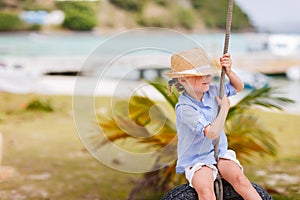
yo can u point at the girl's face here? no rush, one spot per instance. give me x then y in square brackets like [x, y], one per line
[196, 84]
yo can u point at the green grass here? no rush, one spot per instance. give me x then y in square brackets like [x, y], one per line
[51, 163]
[280, 175]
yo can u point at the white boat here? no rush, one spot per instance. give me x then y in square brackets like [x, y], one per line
[293, 72]
[275, 44]
[284, 45]
[17, 79]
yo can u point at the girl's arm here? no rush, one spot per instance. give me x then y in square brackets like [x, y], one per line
[213, 130]
[234, 80]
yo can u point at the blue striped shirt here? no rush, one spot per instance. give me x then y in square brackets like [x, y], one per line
[192, 117]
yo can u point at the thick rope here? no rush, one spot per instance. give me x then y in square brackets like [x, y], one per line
[218, 183]
[226, 45]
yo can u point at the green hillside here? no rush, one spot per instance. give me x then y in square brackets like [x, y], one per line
[114, 15]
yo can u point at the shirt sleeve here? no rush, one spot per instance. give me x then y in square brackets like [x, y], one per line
[190, 120]
[229, 90]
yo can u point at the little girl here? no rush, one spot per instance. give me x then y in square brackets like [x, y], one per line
[199, 123]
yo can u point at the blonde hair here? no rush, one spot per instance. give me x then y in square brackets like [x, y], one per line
[174, 82]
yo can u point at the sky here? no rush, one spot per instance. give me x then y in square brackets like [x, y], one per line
[276, 16]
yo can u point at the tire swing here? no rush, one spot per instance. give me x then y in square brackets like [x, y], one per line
[223, 190]
[186, 192]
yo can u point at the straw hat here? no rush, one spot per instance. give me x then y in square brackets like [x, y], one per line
[194, 62]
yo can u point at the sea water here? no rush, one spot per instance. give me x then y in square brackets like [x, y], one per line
[42, 52]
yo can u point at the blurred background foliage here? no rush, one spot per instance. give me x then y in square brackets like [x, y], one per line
[78, 15]
[187, 15]
[10, 22]
[39, 105]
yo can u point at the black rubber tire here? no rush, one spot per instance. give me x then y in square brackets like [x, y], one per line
[185, 192]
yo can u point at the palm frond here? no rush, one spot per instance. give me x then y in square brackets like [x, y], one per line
[264, 98]
[249, 138]
[163, 90]
[140, 120]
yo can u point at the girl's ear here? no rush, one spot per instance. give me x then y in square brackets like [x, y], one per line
[181, 80]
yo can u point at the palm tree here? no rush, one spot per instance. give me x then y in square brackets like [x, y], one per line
[244, 132]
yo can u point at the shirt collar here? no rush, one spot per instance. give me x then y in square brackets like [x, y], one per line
[204, 101]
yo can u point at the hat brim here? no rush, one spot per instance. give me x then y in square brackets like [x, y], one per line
[209, 71]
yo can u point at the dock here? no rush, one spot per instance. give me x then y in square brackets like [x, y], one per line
[266, 63]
